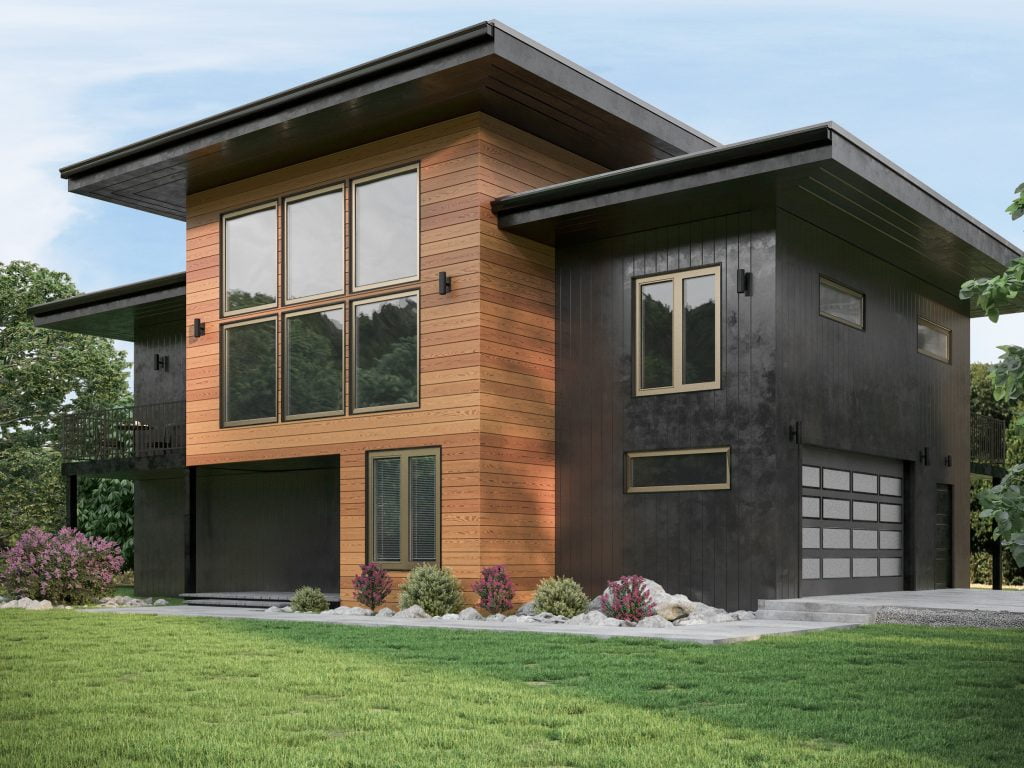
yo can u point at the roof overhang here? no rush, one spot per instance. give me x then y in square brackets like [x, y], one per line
[115, 313]
[486, 68]
[821, 169]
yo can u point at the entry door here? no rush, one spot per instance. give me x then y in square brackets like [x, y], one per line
[943, 536]
[851, 512]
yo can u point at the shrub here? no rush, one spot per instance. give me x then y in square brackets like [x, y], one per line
[627, 599]
[495, 588]
[561, 596]
[106, 508]
[372, 586]
[434, 589]
[63, 567]
[309, 600]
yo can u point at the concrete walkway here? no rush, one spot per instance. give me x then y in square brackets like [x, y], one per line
[704, 634]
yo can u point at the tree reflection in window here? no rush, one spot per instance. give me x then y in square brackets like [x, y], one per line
[315, 362]
[386, 354]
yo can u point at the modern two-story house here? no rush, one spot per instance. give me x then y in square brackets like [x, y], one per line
[471, 304]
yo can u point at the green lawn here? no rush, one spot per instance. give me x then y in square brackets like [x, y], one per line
[80, 689]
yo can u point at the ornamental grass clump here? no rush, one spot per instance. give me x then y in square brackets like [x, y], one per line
[432, 588]
[627, 599]
[561, 596]
[495, 589]
[309, 600]
[372, 586]
[64, 567]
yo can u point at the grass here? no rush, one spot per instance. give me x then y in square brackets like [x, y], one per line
[80, 689]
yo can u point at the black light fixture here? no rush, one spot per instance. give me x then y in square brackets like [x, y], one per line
[198, 328]
[744, 281]
[794, 432]
[444, 283]
[160, 362]
[923, 456]
[949, 461]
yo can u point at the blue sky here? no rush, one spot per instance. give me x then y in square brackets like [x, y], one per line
[932, 85]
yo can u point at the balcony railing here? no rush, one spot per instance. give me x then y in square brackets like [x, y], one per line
[988, 440]
[127, 432]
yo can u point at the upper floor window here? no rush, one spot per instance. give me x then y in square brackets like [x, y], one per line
[385, 353]
[314, 362]
[314, 244]
[678, 332]
[250, 259]
[933, 340]
[249, 372]
[386, 230]
[839, 303]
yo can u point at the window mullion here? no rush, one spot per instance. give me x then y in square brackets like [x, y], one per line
[678, 336]
[404, 529]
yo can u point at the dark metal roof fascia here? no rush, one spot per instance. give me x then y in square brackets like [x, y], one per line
[450, 42]
[177, 280]
[780, 143]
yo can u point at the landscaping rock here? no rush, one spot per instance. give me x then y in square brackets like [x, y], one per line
[160, 602]
[655, 622]
[470, 614]
[743, 615]
[385, 613]
[123, 601]
[594, 619]
[351, 610]
[273, 609]
[28, 604]
[495, 617]
[527, 609]
[287, 609]
[549, 618]
[448, 617]
[412, 612]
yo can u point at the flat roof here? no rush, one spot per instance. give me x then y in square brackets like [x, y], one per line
[487, 67]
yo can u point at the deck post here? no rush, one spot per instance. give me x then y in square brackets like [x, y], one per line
[190, 530]
[71, 501]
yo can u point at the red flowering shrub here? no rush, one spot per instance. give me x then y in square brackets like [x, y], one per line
[63, 567]
[627, 599]
[372, 586]
[495, 588]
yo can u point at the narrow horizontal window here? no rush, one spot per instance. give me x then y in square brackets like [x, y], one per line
[678, 332]
[704, 469]
[314, 253]
[839, 303]
[933, 340]
[404, 505]
[249, 370]
[386, 229]
[314, 363]
[386, 353]
[250, 260]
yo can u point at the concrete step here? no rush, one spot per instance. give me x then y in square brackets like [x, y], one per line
[799, 615]
[234, 603]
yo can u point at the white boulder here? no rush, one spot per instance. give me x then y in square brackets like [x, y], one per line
[470, 614]
[412, 612]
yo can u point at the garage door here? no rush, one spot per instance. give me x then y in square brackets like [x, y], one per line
[851, 513]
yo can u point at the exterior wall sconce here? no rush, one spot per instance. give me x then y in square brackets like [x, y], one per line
[744, 282]
[949, 461]
[444, 283]
[923, 456]
[161, 362]
[794, 432]
[198, 328]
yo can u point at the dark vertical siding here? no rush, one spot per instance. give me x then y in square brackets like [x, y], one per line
[716, 546]
[161, 519]
[870, 391]
[163, 386]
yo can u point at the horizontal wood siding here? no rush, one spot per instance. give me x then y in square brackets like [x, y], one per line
[486, 348]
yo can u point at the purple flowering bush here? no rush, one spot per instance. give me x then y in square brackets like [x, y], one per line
[627, 599]
[64, 567]
[495, 588]
[372, 586]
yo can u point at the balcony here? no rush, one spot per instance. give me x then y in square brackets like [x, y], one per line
[126, 436]
[988, 444]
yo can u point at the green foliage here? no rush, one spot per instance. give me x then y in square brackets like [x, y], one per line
[434, 589]
[309, 600]
[1016, 207]
[105, 508]
[1004, 505]
[561, 596]
[43, 374]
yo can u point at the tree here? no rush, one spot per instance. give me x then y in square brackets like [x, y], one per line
[1004, 503]
[43, 374]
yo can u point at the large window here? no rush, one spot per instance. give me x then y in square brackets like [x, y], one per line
[249, 372]
[386, 229]
[839, 303]
[314, 253]
[933, 340]
[314, 363]
[250, 260]
[704, 469]
[678, 332]
[385, 353]
[404, 500]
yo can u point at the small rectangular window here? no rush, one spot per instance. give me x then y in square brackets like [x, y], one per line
[702, 469]
[249, 372]
[386, 353]
[839, 303]
[314, 247]
[250, 260]
[678, 332]
[386, 229]
[404, 505]
[314, 363]
[933, 340]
